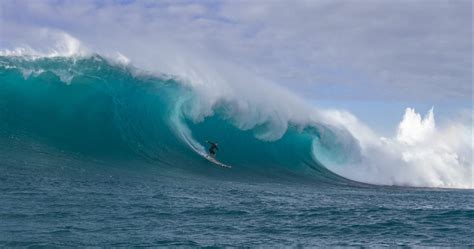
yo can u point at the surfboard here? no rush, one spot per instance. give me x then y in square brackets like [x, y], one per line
[208, 157]
[213, 160]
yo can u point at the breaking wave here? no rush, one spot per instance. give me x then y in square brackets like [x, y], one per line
[91, 105]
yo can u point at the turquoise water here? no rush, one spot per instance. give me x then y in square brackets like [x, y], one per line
[97, 154]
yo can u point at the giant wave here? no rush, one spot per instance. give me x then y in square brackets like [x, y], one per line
[94, 106]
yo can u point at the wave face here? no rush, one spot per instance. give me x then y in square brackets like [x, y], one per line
[101, 109]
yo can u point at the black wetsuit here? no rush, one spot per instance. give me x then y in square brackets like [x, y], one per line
[213, 148]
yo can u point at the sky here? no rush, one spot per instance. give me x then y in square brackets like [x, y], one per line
[373, 58]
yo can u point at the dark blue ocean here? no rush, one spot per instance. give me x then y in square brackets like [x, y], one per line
[95, 155]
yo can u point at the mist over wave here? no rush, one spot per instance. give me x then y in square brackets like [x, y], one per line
[102, 106]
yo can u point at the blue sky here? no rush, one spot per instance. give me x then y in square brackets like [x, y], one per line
[373, 58]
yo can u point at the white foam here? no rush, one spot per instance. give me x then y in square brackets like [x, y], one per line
[413, 129]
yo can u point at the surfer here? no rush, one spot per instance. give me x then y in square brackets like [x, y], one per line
[213, 148]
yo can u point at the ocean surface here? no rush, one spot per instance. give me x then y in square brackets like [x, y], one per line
[97, 154]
